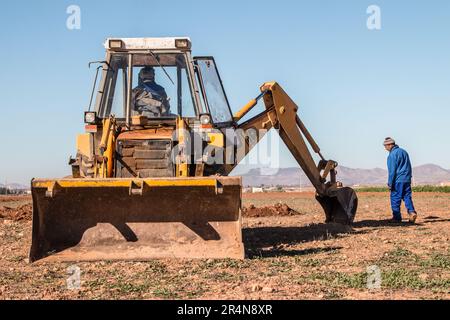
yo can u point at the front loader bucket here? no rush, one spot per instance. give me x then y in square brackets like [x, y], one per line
[341, 207]
[136, 219]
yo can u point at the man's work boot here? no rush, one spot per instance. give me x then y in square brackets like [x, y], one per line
[412, 217]
[396, 217]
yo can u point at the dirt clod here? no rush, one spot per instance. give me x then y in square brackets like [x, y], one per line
[279, 209]
[22, 213]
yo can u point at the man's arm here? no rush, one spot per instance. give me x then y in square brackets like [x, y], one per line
[136, 94]
[392, 169]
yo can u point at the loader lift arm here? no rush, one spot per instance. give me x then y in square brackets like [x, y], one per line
[339, 203]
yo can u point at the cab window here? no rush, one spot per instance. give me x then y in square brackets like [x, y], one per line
[160, 86]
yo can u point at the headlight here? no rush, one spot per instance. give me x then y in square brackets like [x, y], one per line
[205, 119]
[182, 43]
[90, 117]
[115, 44]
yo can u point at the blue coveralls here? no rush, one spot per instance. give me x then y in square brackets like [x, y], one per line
[400, 174]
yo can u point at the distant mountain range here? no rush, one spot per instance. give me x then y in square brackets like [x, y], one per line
[426, 174]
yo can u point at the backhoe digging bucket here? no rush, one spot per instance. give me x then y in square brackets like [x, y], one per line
[136, 219]
[341, 207]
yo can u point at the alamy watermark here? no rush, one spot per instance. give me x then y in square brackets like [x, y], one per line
[246, 147]
[73, 282]
[374, 19]
[373, 277]
[73, 21]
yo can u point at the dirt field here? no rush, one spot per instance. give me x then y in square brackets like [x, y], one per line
[291, 256]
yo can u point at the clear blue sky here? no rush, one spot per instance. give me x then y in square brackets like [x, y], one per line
[354, 86]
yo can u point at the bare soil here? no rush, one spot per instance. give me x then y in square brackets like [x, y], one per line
[290, 256]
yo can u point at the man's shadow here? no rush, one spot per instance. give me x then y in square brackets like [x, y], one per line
[387, 223]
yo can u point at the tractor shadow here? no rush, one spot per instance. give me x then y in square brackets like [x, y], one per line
[270, 241]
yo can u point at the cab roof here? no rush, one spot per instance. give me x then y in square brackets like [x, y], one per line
[171, 43]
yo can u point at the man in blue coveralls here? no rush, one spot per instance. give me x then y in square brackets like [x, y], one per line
[399, 181]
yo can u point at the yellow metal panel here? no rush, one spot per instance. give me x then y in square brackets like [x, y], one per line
[216, 139]
[110, 149]
[181, 166]
[182, 170]
[100, 183]
[84, 145]
[181, 183]
[87, 183]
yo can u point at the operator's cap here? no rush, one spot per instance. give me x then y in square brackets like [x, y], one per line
[388, 141]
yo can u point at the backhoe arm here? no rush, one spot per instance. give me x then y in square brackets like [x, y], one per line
[281, 113]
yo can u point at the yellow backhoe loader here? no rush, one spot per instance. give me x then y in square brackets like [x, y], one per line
[150, 177]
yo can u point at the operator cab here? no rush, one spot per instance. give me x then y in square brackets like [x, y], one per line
[183, 86]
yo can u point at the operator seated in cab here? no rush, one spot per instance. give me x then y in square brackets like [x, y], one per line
[148, 98]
